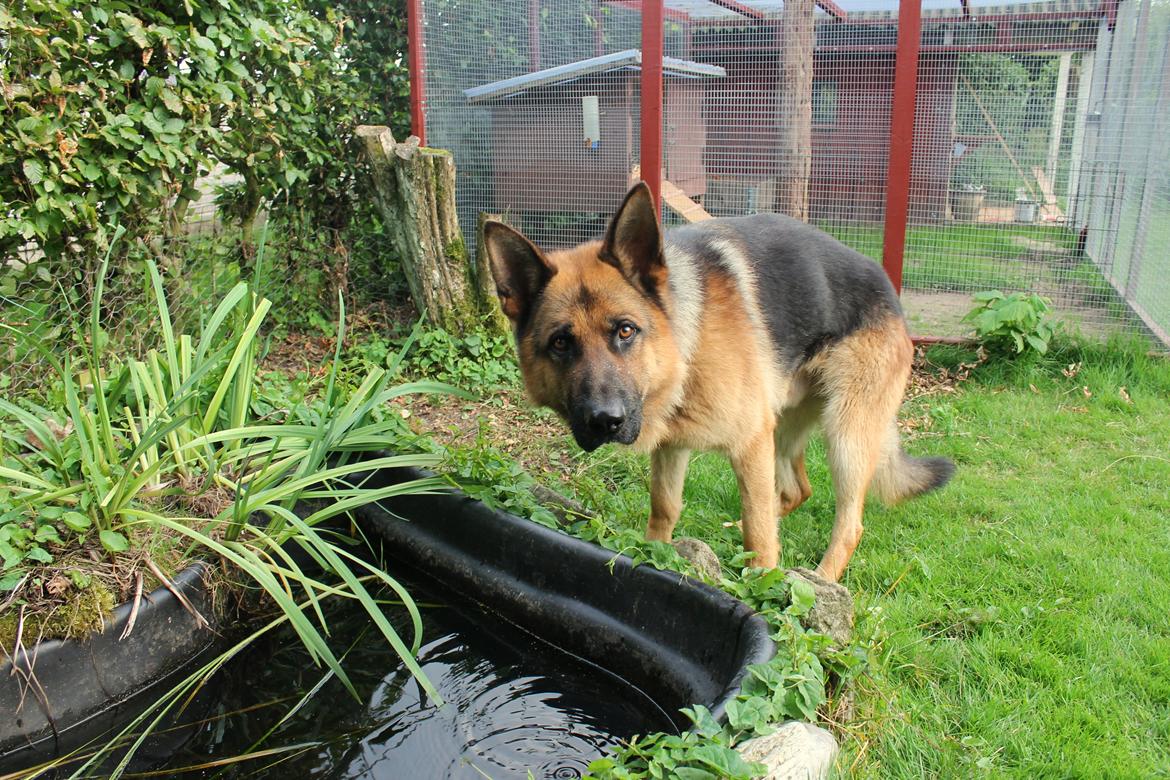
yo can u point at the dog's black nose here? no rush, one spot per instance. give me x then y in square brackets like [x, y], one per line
[606, 419]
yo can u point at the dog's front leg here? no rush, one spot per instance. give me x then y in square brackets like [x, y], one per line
[755, 470]
[668, 472]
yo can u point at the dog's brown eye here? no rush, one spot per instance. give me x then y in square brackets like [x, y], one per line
[626, 331]
[559, 343]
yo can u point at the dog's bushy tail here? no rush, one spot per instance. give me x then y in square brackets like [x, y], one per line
[900, 476]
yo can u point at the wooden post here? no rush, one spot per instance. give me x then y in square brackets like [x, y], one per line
[794, 108]
[415, 192]
[416, 58]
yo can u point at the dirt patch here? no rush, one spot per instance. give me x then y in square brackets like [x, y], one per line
[534, 438]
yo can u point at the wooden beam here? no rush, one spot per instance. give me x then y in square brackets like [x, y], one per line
[832, 9]
[1004, 144]
[741, 9]
[674, 197]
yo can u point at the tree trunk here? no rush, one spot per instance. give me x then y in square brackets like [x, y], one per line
[252, 204]
[415, 192]
[794, 109]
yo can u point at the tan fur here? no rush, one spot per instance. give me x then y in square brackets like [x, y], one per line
[861, 379]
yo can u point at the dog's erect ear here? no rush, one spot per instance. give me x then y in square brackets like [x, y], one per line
[633, 243]
[520, 269]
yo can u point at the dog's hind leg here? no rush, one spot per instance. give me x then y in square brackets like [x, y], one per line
[792, 431]
[863, 379]
[668, 472]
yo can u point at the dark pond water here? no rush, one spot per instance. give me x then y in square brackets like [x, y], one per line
[513, 705]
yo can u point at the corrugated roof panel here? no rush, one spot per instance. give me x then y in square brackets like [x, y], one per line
[630, 59]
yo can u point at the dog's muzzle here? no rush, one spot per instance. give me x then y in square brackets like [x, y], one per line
[597, 422]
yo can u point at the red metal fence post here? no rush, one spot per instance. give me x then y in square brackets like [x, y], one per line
[901, 138]
[416, 59]
[651, 135]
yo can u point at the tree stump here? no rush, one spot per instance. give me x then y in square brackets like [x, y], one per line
[414, 189]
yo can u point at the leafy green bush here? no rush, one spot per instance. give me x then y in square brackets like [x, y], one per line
[116, 108]
[1018, 321]
[113, 112]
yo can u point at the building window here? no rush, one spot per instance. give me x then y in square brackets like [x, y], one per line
[824, 102]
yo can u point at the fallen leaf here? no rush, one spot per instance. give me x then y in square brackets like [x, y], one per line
[57, 585]
[1124, 395]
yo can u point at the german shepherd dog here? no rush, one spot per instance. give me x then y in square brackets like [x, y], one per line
[736, 335]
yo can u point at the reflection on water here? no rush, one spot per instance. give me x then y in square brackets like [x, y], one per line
[513, 705]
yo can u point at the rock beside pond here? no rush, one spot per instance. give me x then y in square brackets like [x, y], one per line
[701, 556]
[833, 613]
[794, 751]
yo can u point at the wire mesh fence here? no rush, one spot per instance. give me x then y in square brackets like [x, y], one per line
[1037, 163]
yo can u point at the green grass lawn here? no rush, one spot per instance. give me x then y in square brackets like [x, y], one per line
[1021, 616]
[959, 256]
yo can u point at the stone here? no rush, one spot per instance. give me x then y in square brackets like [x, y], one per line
[794, 751]
[701, 556]
[833, 613]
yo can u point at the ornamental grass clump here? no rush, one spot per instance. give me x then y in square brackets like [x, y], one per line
[163, 454]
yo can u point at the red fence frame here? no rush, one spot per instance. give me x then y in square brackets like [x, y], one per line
[901, 139]
[417, 63]
[651, 107]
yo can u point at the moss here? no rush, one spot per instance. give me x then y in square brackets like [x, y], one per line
[84, 613]
[456, 252]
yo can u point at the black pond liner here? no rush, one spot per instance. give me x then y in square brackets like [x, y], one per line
[62, 694]
[678, 640]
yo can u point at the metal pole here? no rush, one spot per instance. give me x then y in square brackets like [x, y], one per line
[651, 135]
[417, 63]
[901, 138]
[1057, 126]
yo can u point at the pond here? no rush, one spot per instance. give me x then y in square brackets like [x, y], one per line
[513, 704]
